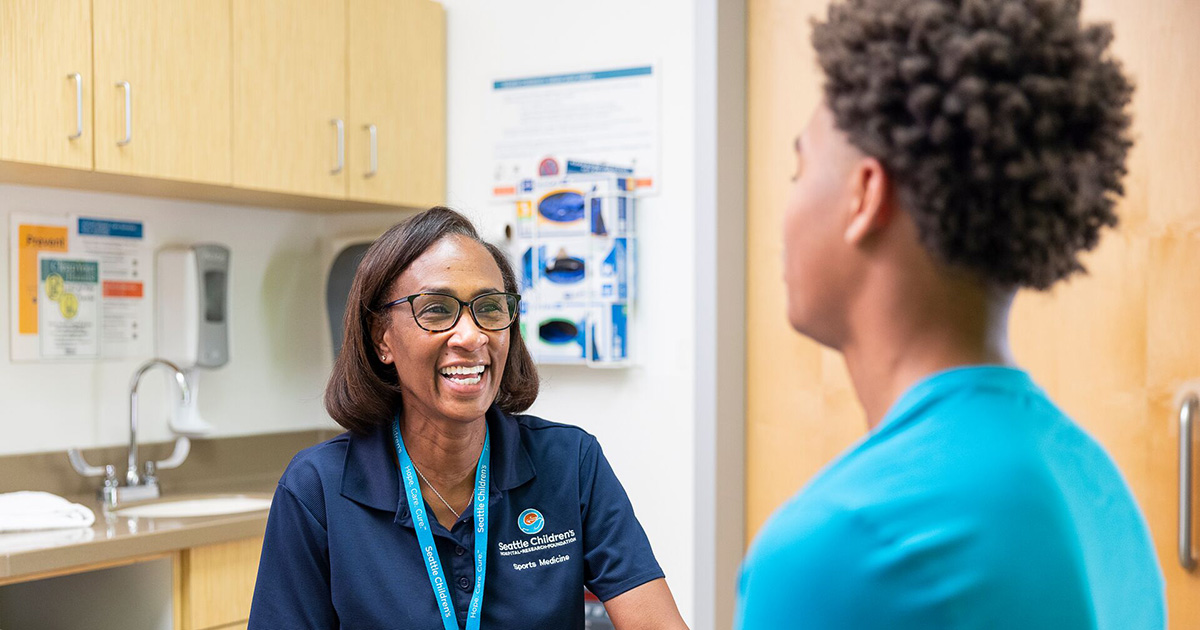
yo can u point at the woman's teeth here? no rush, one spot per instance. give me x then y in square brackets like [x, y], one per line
[464, 375]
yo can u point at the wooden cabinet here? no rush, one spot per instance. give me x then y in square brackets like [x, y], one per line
[397, 102]
[46, 79]
[289, 96]
[162, 101]
[216, 585]
[277, 102]
[358, 111]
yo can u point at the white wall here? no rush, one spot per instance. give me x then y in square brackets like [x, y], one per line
[645, 416]
[279, 350]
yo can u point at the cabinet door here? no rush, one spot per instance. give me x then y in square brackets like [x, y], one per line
[162, 96]
[218, 583]
[289, 96]
[397, 79]
[46, 82]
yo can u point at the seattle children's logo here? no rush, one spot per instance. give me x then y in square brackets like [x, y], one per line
[531, 521]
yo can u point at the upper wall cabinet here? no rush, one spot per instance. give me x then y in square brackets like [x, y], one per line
[317, 104]
[397, 102]
[289, 96]
[162, 99]
[46, 82]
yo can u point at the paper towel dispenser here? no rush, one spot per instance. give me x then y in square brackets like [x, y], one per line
[347, 253]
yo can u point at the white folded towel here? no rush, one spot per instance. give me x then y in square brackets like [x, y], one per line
[30, 511]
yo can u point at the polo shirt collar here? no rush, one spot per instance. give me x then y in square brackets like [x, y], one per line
[370, 476]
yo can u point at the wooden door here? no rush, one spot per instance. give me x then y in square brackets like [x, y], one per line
[397, 80]
[289, 96]
[46, 82]
[174, 57]
[1112, 348]
[800, 407]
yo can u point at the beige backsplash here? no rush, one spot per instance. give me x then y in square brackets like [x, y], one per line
[213, 465]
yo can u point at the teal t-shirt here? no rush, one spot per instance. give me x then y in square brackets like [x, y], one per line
[976, 503]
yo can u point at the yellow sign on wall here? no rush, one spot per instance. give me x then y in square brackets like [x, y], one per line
[31, 240]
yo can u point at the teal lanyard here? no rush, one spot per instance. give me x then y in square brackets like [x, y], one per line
[433, 564]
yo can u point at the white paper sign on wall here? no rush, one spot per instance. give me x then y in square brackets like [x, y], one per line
[604, 117]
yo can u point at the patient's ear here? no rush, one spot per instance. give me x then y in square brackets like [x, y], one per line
[870, 208]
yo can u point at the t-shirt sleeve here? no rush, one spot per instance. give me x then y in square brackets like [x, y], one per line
[292, 590]
[617, 555]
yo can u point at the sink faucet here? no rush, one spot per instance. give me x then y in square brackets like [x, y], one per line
[132, 477]
[138, 485]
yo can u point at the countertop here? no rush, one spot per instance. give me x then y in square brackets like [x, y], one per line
[250, 465]
[114, 538]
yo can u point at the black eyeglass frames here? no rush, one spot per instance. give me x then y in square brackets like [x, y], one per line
[439, 312]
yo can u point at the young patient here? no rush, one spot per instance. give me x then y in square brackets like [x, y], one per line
[965, 149]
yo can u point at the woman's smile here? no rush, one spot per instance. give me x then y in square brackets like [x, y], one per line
[465, 379]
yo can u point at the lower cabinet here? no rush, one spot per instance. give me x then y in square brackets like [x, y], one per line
[215, 584]
[127, 594]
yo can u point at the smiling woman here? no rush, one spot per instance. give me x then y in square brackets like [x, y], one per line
[430, 384]
[411, 269]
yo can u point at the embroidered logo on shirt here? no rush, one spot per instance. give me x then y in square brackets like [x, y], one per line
[531, 521]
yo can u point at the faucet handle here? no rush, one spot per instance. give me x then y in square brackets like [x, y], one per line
[151, 473]
[81, 466]
[111, 486]
[110, 476]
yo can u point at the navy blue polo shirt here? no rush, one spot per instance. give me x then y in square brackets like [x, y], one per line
[341, 552]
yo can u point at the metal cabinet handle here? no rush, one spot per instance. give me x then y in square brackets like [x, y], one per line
[1187, 418]
[374, 134]
[128, 113]
[341, 146]
[78, 78]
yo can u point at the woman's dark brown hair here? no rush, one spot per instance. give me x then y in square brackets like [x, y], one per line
[363, 392]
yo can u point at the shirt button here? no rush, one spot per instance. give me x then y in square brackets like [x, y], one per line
[460, 550]
[464, 583]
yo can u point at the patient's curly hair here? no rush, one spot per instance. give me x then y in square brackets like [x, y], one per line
[1002, 122]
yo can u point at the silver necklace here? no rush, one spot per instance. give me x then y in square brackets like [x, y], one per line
[439, 494]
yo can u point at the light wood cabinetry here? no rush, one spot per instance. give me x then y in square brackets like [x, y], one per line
[269, 102]
[397, 102]
[289, 94]
[46, 74]
[216, 585]
[162, 101]
[210, 588]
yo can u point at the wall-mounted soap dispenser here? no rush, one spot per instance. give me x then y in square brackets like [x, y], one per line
[193, 305]
[193, 319]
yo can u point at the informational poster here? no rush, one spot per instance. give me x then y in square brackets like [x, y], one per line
[68, 306]
[121, 248]
[544, 123]
[115, 319]
[31, 237]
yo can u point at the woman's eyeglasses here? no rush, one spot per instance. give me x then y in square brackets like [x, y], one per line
[439, 312]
